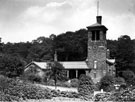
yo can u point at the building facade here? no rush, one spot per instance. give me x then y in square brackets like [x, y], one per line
[97, 64]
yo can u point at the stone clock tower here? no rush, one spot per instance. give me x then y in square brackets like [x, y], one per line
[97, 48]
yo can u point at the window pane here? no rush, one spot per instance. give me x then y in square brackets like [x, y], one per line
[93, 35]
[97, 35]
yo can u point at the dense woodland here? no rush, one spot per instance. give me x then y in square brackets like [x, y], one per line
[70, 46]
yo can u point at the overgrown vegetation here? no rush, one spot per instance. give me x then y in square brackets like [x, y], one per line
[107, 83]
[70, 46]
[16, 90]
[127, 95]
[86, 86]
[11, 66]
[56, 72]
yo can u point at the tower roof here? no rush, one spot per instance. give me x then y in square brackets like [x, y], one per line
[98, 25]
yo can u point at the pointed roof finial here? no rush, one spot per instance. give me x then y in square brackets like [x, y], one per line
[97, 7]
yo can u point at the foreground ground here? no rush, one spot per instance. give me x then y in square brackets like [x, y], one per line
[64, 88]
[58, 99]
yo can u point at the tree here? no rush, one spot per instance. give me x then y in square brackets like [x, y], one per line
[72, 45]
[111, 45]
[11, 66]
[41, 50]
[124, 53]
[56, 71]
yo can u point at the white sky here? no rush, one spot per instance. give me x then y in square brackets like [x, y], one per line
[25, 20]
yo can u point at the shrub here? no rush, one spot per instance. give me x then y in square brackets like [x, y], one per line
[119, 80]
[74, 82]
[86, 86]
[97, 86]
[128, 75]
[102, 97]
[107, 83]
[133, 82]
[16, 90]
[33, 78]
[66, 84]
[3, 82]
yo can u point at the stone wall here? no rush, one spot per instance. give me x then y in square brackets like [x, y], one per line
[97, 56]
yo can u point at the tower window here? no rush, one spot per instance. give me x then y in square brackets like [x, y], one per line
[95, 64]
[95, 35]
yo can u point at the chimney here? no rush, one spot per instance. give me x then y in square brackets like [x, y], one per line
[99, 19]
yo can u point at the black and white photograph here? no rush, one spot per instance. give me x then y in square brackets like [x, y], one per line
[67, 50]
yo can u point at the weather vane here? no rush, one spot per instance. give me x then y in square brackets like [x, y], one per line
[97, 7]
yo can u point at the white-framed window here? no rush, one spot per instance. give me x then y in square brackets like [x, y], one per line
[95, 64]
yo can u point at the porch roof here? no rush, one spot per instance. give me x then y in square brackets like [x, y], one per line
[75, 65]
[111, 61]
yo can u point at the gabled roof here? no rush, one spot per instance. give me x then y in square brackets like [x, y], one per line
[67, 65]
[42, 65]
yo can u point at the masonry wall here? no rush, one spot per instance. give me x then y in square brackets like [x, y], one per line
[97, 52]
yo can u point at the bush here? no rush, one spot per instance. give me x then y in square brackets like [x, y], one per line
[107, 83]
[128, 75]
[33, 78]
[97, 86]
[102, 97]
[10, 90]
[74, 82]
[119, 80]
[3, 82]
[127, 95]
[66, 84]
[86, 86]
[14, 90]
[50, 82]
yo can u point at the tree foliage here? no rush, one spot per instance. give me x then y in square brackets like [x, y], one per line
[107, 83]
[125, 53]
[86, 85]
[72, 45]
[128, 75]
[11, 66]
[56, 71]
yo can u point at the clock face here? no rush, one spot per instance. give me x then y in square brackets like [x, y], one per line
[94, 47]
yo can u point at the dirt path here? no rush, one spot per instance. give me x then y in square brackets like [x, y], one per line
[59, 88]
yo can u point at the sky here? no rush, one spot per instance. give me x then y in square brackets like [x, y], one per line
[26, 20]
